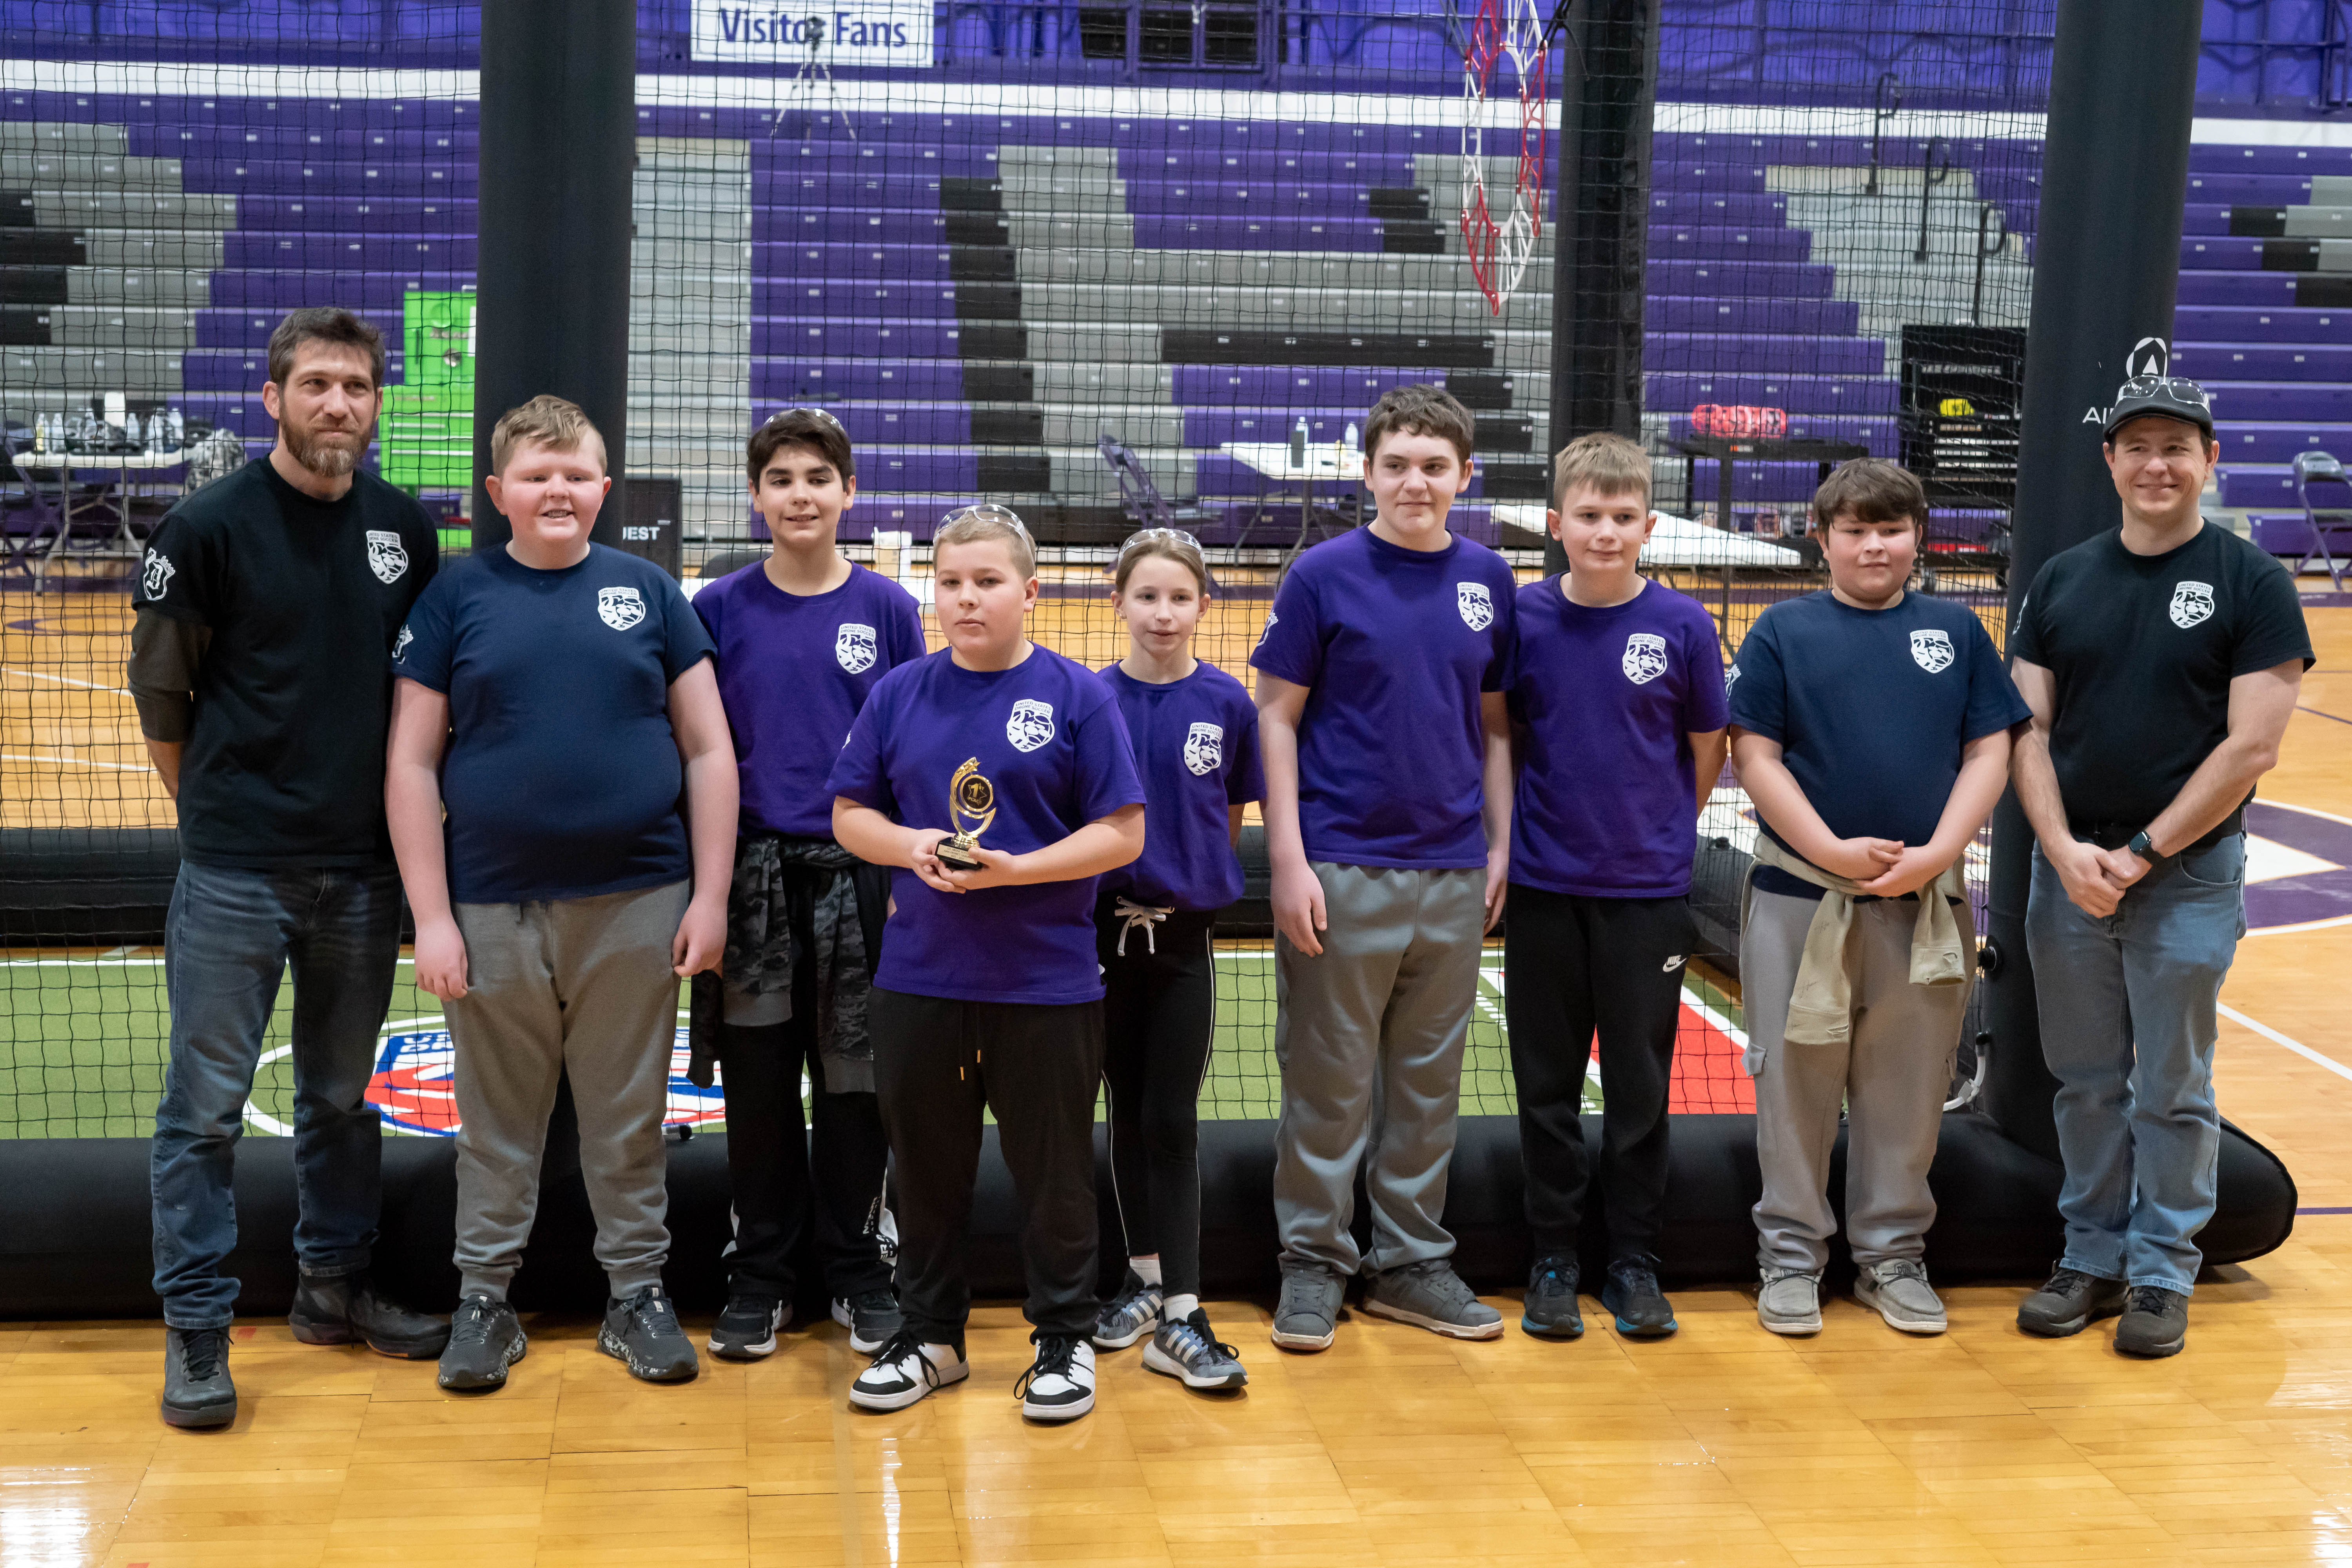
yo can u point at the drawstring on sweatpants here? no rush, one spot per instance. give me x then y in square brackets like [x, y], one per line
[1146, 916]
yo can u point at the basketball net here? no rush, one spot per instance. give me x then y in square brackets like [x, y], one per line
[1499, 250]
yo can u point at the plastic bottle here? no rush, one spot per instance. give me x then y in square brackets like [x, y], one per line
[1354, 439]
[178, 430]
[1298, 443]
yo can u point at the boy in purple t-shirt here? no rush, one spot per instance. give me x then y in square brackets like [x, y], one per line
[1616, 693]
[803, 637]
[1388, 820]
[989, 996]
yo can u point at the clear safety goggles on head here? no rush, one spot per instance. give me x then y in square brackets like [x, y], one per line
[813, 413]
[2167, 388]
[988, 512]
[1143, 536]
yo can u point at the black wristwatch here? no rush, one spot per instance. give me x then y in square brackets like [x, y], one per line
[2144, 846]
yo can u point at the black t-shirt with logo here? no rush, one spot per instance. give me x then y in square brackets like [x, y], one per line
[2142, 649]
[284, 764]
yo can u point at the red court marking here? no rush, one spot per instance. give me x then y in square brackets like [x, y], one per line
[245, 1333]
[1706, 1076]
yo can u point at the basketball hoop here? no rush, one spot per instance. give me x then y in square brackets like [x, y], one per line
[1499, 250]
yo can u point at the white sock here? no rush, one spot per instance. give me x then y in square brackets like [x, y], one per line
[1146, 1270]
[1176, 1309]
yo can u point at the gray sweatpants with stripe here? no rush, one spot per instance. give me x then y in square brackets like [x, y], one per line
[1370, 1037]
[1890, 1078]
[577, 984]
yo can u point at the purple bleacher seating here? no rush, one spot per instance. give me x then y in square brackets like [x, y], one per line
[1778, 280]
[2313, 402]
[1762, 353]
[1716, 313]
[2254, 442]
[896, 468]
[2289, 534]
[813, 294]
[2237, 288]
[775, 225]
[1198, 163]
[2260, 324]
[807, 378]
[2204, 218]
[1872, 392]
[1703, 205]
[229, 370]
[2257, 484]
[365, 252]
[2236, 188]
[920, 263]
[355, 291]
[2212, 252]
[890, 424]
[859, 337]
[357, 215]
[250, 331]
[187, 140]
[2229, 362]
[328, 176]
[1706, 174]
[1281, 386]
[1172, 231]
[2210, 158]
[1727, 242]
[1222, 474]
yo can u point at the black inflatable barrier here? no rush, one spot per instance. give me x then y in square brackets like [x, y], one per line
[75, 1244]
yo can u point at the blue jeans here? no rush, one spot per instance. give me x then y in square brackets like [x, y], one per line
[228, 940]
[2128, 1027]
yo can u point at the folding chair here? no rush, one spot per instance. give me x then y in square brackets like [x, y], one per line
[2322, 468]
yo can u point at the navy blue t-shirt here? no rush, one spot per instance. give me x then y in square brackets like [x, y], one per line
[1049, 740]
[1196, 743]
[1871, 709]
[563, 778]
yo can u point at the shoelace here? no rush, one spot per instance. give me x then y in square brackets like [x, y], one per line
[2066, 1282]
[1443, 1281]
[472, 1325]
[904, 1345]
[878, 1301]
[200, 1352]
[1901, 1268]
[1192, 1345]
[1148, 916]
[2149, 1299]
[1057, 1356]
[1296, 1285]
[655, 1312]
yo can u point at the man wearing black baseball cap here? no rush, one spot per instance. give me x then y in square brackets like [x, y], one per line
[2161, 660]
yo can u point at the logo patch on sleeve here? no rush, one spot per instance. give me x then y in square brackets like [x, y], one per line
[386, 558]
[855, 648]
[1204, 747]
[1644, 659]
[157, 577]
[400, 644]
[1030, 724]
[1478, 609]
[620, 609]
[1931, 650]
[2191, 602]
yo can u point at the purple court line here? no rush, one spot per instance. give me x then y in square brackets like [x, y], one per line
[2317, 714]
[2325, 1211]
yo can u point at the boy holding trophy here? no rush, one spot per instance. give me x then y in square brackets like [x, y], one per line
[995, 779]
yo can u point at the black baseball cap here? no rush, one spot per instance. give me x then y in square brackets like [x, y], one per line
[2167, 396]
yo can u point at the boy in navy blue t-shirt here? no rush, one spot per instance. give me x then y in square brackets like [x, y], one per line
[1616, 696]
[802, 638]
[557, 699]
[1388, 814]
[989, 997]
[1871, 727]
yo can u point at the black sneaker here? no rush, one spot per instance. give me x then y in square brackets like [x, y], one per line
[1631, 1293]
[344, 1309]
[746, 1330]
[2155, 1323]
[871, 1317]
[644, 1331]
[1550, 1310]
[485, 1339]
[1060, 1383]
[2068, 1302]
[196, 1387]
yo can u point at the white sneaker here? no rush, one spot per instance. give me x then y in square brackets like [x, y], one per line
[1789, 1303]
[1899, 1291]
[1060, 1385]
[904, 1371]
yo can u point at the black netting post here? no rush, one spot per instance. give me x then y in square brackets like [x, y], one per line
[1609, 55]
[2107, 269]
[559, 143]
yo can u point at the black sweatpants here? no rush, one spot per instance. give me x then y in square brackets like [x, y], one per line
[1160, 1003]
[1574, 965]
[781, 1172]
[937, 1064]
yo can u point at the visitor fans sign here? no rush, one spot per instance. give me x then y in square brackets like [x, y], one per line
[846, 33]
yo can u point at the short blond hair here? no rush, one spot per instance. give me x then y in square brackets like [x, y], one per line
[983, 521]
[1611, 464]
[555, 423]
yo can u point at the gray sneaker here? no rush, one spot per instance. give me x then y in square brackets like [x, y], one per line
[1789, 1303]
[1899, 1291]
[1187, 1348]
[1305, 1319]
[1128, 1316]
[1432, 1296]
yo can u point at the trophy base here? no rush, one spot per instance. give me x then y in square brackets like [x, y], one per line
[956, 856]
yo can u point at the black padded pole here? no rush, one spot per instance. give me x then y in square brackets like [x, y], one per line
[559, 146]
[2106, 267]
[1609, 55]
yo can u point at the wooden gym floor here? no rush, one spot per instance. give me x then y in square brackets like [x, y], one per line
[1723, 1446]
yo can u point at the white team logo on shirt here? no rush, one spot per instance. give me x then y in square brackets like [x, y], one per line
[1267, 630]
[158, 575]
[1030, 724]
[1731, 676]
[386, 559]
[400, 644]
[1644, 659]
[1478, 609]
[855, 648]
[1204, 747]
[619, 609]
[1932, 651]
[2192, 602]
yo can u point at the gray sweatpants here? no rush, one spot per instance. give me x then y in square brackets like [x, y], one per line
[577, 984]
[1891, 1078]
[1370, 1037]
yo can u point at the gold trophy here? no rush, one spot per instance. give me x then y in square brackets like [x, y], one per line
[969, 796]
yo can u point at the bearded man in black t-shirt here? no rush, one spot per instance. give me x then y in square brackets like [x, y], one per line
[2161, 660]
[260, 664]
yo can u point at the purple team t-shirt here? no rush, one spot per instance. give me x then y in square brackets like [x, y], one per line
[1049, 737]
[793, 670]
[1395, 647]
[1608, 800]
[1196, 743]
